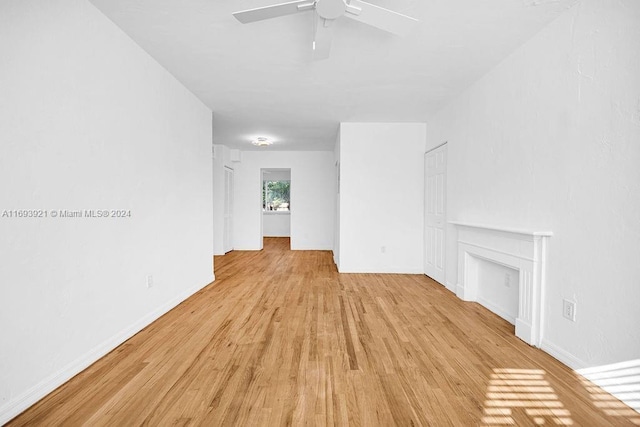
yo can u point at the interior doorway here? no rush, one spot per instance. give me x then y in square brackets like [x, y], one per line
[276, 203]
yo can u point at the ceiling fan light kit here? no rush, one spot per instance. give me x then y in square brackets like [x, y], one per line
[327, 11]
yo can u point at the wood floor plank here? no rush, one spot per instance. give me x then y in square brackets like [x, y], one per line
[282, 339]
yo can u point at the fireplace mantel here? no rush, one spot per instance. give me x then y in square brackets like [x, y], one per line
[519, 249]
[503, 229]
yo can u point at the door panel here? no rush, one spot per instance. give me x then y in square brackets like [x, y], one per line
[228, 210]
[435, 213]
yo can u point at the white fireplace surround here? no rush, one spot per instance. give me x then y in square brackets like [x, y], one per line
[521, 250]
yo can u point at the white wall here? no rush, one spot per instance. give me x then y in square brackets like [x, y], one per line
[90, 121]
[549, 140]
[276, 224]
[381, 197]
[312, 198]
[277, 175]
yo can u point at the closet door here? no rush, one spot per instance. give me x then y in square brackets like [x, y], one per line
[435, 212]
[228, 210]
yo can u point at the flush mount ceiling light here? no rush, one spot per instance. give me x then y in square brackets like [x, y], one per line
[262, 142]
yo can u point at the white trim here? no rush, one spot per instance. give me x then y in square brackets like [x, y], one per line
[503, 229]
[562, 355]
[526, 258]
[451, 286]
[497, 310]
[391, 270]
[610, 378]
[309, 248]
[23, 401]
[585, 372]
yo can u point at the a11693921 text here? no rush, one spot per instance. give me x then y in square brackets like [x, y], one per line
[65, 213]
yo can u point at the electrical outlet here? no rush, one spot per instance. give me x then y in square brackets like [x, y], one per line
[149, 281]
[507, 280]
[383, 249]
[569, 309]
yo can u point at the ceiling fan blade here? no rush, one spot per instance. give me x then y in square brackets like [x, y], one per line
[273, 11]
[322, 38]
[379, 17]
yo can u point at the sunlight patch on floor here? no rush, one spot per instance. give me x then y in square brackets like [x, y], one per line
[525, 391]
[608, 385]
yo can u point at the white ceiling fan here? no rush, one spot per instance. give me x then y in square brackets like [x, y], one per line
[327, 11]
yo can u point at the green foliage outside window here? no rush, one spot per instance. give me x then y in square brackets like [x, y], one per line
[275, 195]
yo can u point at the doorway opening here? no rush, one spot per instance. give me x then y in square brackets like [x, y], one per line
[276, 204]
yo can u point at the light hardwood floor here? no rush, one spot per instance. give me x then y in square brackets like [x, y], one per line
[282, 339]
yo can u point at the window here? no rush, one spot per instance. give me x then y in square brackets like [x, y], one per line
[275, 196]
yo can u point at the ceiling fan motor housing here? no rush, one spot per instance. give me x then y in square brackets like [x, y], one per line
[330, 9]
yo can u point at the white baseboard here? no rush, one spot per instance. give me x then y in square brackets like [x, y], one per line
[311, 248]
[451, 286]
[23, 401]
[617, 379]
[384, 271]
[497, 310]
[602, 381]
[562, 355]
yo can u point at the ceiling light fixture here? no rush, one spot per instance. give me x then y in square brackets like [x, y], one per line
[262, 142]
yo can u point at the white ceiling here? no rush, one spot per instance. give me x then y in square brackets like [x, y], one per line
[259, 78]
